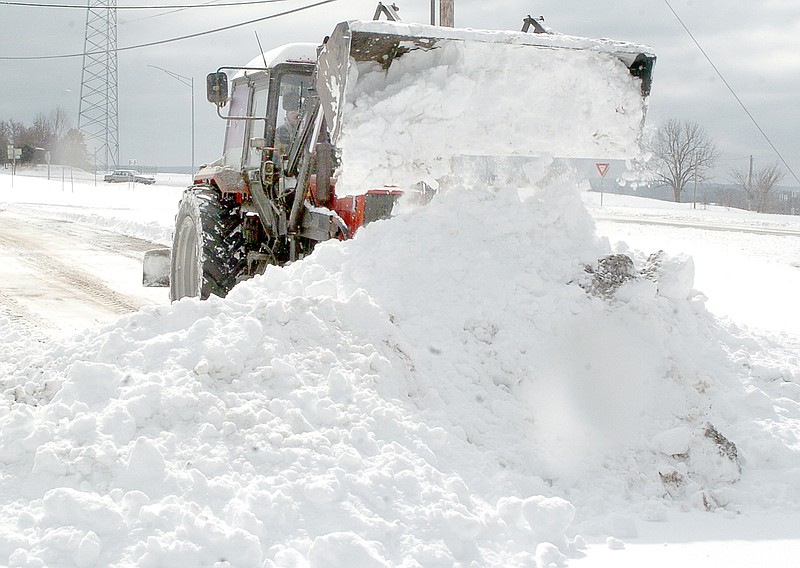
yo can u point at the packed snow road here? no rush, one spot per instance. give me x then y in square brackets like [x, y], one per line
[79, 231]
[60, 276]
[698, 224]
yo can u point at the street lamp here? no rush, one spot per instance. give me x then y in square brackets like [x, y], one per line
[189, 82]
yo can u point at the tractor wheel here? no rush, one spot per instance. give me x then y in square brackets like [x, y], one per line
[208, 247]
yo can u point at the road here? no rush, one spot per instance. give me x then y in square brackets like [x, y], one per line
[697, 224]
[58, 277]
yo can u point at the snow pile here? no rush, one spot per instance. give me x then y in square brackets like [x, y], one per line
[479, 382]
[439, 391]
[90, 204]
[406, 124]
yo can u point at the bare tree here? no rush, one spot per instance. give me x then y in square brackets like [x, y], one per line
[48, 132]
[743, 180]
[757, 184]
[15, 131]
[59, 122]
[682, 152]
[40, 135]
[5, 140]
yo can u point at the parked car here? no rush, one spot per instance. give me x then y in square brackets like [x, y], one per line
[119, 176]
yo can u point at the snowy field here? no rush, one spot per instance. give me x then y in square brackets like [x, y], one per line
[443, 390]
[751, 277]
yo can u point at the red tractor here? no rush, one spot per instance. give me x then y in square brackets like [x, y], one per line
[271, 197]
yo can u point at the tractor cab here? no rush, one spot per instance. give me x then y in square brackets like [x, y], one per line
[261, 104]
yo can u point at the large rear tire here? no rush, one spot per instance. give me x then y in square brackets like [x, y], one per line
[208, 253]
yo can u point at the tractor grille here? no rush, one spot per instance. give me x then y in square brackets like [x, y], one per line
[378, 206]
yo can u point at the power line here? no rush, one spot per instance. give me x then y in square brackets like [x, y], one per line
[158, 7]
[170, 40]
[166, 13]
[735, 96]
[171, 8]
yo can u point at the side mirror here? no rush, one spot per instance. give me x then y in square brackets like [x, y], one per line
[217, 88]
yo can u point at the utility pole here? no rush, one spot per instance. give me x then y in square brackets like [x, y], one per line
[447, 13]
[750, 185]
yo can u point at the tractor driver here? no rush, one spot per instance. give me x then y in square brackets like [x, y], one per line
[286, 131]
[290, 104]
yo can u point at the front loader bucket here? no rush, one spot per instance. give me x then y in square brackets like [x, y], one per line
[424, 95]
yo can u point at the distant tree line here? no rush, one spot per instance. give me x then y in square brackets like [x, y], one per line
[782, 200]
[51, 133]
[683, 155]
[757, 184]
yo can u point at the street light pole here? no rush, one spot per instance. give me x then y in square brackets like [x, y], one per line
[189, 82]
[447, 13]
[694, 193]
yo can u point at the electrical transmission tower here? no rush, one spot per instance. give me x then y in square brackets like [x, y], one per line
[97, 115]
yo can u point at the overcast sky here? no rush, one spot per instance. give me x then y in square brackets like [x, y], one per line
[755, 46]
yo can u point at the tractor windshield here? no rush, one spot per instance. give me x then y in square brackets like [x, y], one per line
[294, 89]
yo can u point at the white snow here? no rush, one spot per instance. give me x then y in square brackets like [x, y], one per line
[452, 387]
[501, 101]
[136, 210]
[766, 245]
[436, 392]
[410, 29]
[291, 52]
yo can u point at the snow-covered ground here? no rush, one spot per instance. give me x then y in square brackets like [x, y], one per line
[440, 391]
[753, 279]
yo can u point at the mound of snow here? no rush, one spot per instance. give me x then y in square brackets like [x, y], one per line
[438, 391]
[418, 119]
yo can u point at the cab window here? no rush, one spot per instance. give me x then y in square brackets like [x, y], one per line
[258, 110]
[293, 91]
[236, 129]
